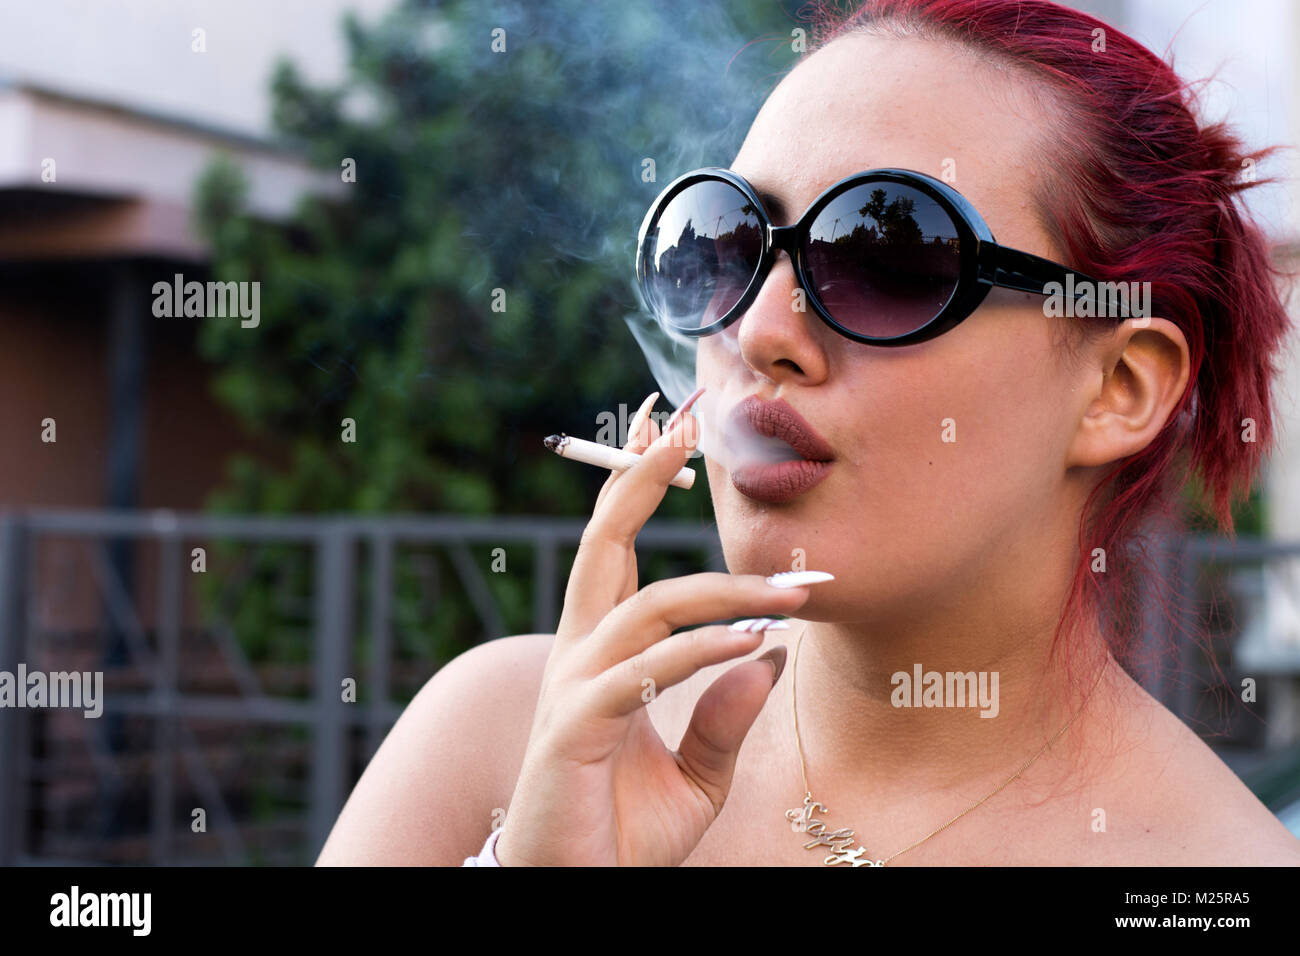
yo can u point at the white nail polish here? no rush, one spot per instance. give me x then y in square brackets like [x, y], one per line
[797, 579]
[761, 624]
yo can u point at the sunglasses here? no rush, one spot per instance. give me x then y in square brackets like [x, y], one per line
[888, 256]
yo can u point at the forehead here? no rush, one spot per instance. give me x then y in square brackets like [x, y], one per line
[866, 101]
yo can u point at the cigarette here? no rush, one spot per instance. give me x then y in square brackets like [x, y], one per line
[615, 459]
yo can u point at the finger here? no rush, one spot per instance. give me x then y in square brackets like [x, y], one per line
[721, 719]
[640, 433]
[642, 430]
[661, 607]
[630, 685]
[635, 640]
[607, 540]
[670, 448]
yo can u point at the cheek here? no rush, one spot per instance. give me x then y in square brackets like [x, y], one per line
[943, 448]
[718, 356]
[957, 439]
[990, 428]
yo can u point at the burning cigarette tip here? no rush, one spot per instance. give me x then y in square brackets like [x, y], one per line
[553, 441]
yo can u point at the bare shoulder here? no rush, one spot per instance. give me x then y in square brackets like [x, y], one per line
[444, 776]
[1197, 811]
[434, 789]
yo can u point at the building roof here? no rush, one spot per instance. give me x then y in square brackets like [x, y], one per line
[81, 176]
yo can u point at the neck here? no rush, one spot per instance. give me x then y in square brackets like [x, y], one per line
[864, 723]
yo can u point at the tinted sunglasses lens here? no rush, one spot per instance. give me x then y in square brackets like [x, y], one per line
[883, 258]
[701, 253]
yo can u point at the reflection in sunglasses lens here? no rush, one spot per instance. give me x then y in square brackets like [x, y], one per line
[883, 258]
[701, 254]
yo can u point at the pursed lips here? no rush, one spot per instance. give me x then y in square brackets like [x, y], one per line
[791, 456]
[778, 420]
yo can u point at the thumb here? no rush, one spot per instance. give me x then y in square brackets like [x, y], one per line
[722, 717]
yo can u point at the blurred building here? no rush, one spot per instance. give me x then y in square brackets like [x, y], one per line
[94, 209]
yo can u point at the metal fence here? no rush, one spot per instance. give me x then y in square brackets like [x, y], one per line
[184, 736]
[146, 618]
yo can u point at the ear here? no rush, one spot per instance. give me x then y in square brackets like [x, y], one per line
[1140, 373]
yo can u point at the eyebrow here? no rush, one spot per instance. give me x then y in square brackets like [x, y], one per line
[772, 202]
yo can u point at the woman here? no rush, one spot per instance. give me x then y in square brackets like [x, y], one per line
[960, 487]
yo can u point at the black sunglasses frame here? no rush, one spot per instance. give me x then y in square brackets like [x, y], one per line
[983, 263]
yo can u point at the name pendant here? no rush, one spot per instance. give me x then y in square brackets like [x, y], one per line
[840, 841]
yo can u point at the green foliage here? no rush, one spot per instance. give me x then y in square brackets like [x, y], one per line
[475, 171]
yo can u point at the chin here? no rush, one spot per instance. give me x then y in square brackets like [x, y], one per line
[767, 530]
[762, 539]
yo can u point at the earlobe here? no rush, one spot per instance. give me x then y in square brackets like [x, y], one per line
[1141, 373]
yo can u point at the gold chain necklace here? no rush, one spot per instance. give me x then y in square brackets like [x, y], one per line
[841, 841]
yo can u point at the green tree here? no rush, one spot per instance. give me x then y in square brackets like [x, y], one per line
[501, 158]
[482, 177]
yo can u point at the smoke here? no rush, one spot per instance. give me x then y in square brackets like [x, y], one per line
[670, 356]
[595, 107]
[605, 104]
[724, 437]
[729, 439]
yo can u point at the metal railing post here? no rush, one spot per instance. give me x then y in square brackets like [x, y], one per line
[381, 638]
[545, 615]
[333, 600]
[163, 791]
[13, 723]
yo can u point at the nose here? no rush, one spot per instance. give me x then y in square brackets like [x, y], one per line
[780, 336]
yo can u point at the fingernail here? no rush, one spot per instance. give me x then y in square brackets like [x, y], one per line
[639, 418]
[753, 624]
[684, 408]
[775, 657]
[797, 579]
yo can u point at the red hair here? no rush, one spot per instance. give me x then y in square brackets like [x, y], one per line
[1139, 191]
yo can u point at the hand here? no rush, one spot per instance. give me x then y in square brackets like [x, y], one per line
[598, 786]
